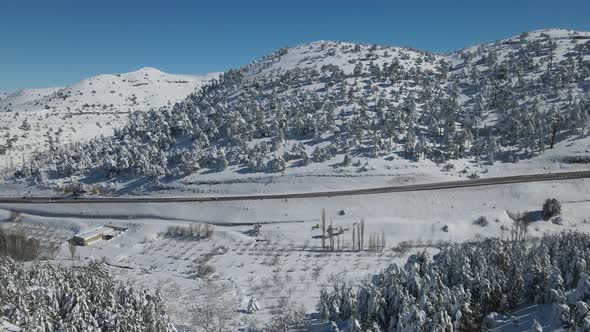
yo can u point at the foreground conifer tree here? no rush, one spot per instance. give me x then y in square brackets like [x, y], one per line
[46, 298]
[455, 289]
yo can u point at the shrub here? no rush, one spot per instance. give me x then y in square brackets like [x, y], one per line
[203, 271]
[195, 230]
[557, 220]
[481, 221]
[447, 167]
[74, 188]
[15, 216]
[286, 315]
[551, 207]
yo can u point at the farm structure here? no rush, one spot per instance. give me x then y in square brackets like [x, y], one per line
[105, 232]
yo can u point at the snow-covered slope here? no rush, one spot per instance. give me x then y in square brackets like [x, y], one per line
[84, 110]
[343, 55]
[139, 90]
[15, 100]
[339, 102]
[4, 94]
[347, 108]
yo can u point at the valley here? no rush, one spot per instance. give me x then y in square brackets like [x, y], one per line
[328, 186]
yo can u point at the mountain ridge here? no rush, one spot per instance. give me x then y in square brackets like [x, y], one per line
[322, 101]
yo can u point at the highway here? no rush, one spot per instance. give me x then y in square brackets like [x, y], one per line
[491, 181]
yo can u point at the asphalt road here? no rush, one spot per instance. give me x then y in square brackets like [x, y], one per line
[368, 191]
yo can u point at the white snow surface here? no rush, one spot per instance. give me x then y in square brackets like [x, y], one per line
[89, 108]
[283, 262]
[138, 90]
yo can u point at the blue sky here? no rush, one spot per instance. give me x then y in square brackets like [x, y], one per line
[57, 42]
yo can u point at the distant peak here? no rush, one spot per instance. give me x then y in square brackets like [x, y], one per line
[147, 70]
[150, 69]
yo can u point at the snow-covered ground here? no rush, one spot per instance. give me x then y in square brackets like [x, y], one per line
[329, 175]
[26, 96]
[286, 260]
[86, 109]
[369, 173]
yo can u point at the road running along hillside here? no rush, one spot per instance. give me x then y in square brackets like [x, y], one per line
[367, 191]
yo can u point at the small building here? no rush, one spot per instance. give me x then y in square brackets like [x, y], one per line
[105, 232]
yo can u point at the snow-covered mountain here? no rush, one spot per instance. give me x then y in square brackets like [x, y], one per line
[139, 90]
[86, 109]
[333, 103]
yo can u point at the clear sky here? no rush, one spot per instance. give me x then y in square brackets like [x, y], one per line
[57, 42]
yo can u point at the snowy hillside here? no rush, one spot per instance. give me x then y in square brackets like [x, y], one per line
[22, 97]
[351, 108]
[34, 119]
[139, 90]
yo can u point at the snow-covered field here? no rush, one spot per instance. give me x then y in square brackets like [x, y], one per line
[284, 259]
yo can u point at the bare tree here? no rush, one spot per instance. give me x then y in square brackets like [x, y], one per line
[323, 229]
[72, 247]
[216, 310]
[519, 227]
[316, 273]
[331, 235]
[362, 234]
[285, 315]
[353, 236]
[358, 237]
